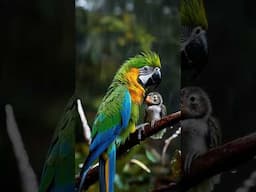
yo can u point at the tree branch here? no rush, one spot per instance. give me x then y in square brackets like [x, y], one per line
[133, 140]
[215, 161]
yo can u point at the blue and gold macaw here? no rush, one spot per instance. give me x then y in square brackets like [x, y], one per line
[118, 114]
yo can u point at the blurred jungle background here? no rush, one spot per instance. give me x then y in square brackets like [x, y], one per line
[51, 49]
[108, 33]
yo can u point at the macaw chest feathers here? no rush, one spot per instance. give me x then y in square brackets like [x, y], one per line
[136, 90]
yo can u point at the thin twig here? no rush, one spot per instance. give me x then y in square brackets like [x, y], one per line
[141, 165]
[86, 128]
[28, 177]
[168, 142]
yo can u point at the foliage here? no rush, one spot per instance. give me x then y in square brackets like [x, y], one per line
[192, 12]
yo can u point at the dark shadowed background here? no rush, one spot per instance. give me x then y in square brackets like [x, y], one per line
[230, 76]
[37, 76]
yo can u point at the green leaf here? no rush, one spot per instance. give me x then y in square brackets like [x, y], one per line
[152, 156]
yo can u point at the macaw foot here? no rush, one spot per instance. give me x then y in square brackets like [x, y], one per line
[188, 161]
[141, 128]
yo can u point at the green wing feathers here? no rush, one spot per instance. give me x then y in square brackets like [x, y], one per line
[109, 111]
[59, 168]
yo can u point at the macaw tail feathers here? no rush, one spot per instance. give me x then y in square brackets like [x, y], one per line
[90, 159]
[107, 165]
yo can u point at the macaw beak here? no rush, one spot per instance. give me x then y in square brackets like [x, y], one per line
[152, 78]
[155, 78]
[198, 47]
[203, 39]
[194, 55]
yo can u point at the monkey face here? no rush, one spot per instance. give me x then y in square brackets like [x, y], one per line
[153, 98]
[194, 103]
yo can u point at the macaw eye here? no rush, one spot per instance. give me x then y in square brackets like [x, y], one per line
[197, 30]
[145, 70]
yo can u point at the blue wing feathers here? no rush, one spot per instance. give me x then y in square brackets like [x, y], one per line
[94, 154]
[97, 147]
[103, 140]
[126, 110]
[104, 137]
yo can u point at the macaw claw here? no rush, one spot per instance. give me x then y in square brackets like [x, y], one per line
[141, 128]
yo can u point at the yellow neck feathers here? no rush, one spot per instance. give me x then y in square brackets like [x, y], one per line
[136, 90]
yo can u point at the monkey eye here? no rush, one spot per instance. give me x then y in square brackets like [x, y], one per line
[155, 98]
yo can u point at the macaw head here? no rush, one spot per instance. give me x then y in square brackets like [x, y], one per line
[193, 31]
[143, 69]
[139, 73]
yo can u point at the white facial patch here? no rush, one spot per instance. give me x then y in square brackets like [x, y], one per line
[144, 79]
[145, 74]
